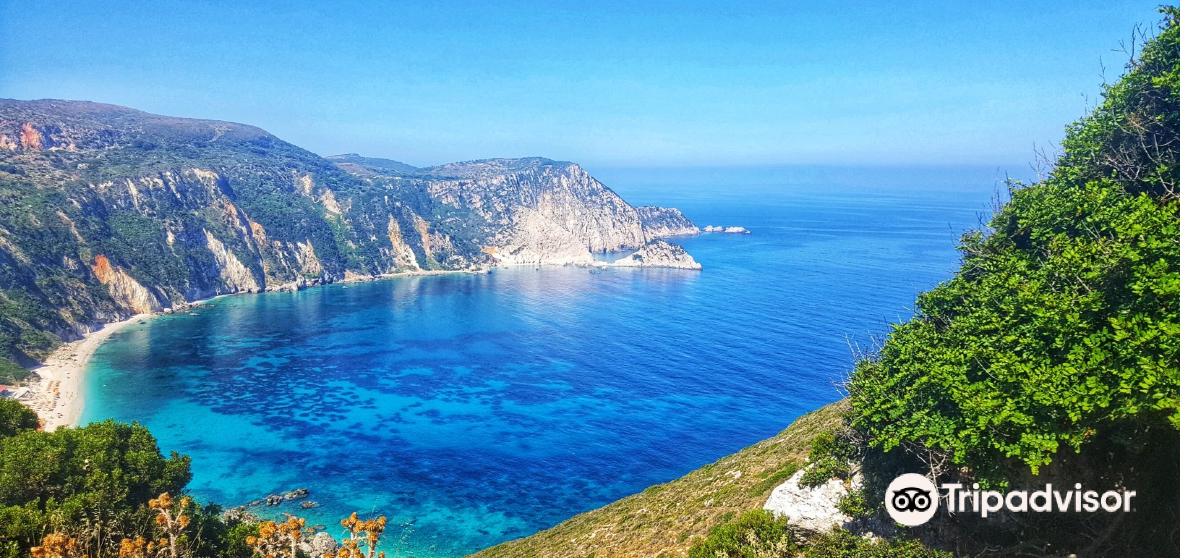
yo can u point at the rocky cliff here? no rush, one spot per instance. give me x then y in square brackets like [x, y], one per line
[659, 253]
[527, 211]
[665, 221]
[107, 211]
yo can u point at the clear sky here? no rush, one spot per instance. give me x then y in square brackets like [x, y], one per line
[634, 83]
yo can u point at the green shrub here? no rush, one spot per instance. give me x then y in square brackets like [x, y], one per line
[1062, 329]
[756, 534]
[101, 475]
[855, 504]
[842, 544]
[830, 457]
[16, 418]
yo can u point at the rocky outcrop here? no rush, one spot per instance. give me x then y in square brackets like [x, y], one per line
[527, 211]
[662, 222]
[125, 291]
[728, 230]
[812, 509]
[235, 276]
[659, 253]
[549, 209]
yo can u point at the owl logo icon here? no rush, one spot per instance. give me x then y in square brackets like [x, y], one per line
[911, 499]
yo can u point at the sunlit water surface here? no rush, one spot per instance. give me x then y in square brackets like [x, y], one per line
[472, 409]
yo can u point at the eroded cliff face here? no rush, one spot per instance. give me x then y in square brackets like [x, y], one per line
[528, 211]
[124, 290]
[659, 253]
[663, 222]
[107, 212]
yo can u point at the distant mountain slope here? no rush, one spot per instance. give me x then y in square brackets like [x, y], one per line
[528, 211]
[107, 211]
[354, 163]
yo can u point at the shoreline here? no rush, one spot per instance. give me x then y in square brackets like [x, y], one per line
[56, 396]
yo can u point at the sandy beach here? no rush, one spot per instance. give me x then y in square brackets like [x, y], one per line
[56, 395]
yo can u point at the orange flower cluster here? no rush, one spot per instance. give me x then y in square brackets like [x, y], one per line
[361, 532]
[58, 545]
[138, 548]
[170, 520]
[279, 540]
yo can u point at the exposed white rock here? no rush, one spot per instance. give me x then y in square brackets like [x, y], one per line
[537, 211]
[736, 230]
[125, 290]
[236, 276]
[400, 252]
[812, 509]
[659, 253]
[318, 545]
[660, 222]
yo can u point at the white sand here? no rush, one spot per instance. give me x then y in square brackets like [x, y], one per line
[56, 395]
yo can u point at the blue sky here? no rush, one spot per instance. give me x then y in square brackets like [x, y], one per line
[603, 83]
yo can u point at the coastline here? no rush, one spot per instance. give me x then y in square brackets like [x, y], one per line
[56, 394]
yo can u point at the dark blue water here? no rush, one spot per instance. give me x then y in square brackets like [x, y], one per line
[472, 409]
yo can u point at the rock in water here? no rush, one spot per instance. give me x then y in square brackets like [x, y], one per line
[659, 253]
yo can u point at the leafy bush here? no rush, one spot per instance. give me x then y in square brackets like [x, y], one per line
[842, 544]
[16, 418]
[1062, 328]
[855, 504]
[756, 534]
[105, 472]
[830, 457]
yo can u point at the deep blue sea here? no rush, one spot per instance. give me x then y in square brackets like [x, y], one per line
[472, 409]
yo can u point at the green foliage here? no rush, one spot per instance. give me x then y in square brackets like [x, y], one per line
[100, 476]
[756, 534]
[16, 418]
[1062, 328]
[774, 479]
[842, 544]
[855, 504]
[831, 456]
[233, 540]
[11, 372]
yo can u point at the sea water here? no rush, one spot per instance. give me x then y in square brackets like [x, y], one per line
[473, 409]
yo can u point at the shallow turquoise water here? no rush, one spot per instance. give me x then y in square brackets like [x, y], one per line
[473, 409]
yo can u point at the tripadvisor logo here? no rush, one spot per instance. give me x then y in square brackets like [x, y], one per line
[913, 499]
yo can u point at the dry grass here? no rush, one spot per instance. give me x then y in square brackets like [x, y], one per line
[667, 519]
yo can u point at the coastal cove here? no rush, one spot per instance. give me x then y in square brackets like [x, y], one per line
[473, 409]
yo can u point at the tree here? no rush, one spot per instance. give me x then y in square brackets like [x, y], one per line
[16, 418]
[97, 481]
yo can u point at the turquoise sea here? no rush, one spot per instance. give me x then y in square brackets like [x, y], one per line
[472, 409]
